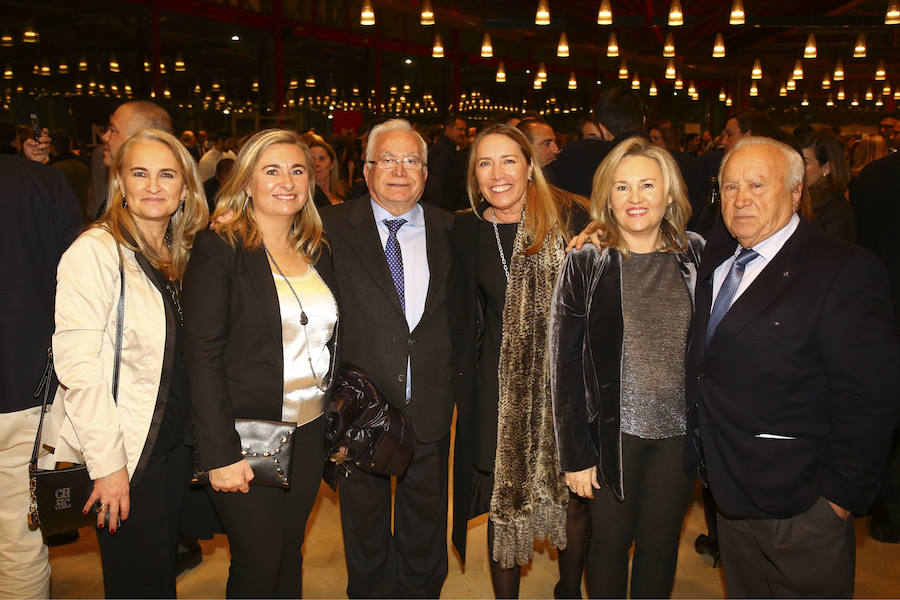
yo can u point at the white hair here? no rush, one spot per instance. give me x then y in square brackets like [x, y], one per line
[792, 159]
[395, 125]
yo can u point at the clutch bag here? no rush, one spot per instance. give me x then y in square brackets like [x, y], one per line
[268, 446]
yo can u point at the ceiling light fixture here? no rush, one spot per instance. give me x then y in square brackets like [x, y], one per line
[501, 73]
[791, 85]
[670, 69]
[30, 35]
[612, 48]
[542, 16]
[756, 71]
[679, 83]
[859, 49]
[798, 70]
[839, 71]
[367, 13]
[676, 17]
[810, 51]
[604, 14]
[623, 70]
[635, 82]
[542, 72]
[562, 49]
[487, 49]
[783, 91]
[653, 91]
[892, 15]
[880, 72]
[737, 16]
[669, 47]
[427, 15]
[754, 91]
[573, 83]
[826, 82]
[437, 50]
[719, 47]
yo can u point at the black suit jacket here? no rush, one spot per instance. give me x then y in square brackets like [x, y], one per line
[797, 393]
[42, 218]
[233, 348]
[446, 183]
[375, 335]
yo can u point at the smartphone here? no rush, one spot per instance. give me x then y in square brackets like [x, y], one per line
[35, 126]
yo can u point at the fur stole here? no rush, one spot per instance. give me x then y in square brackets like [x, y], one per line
[530, 497]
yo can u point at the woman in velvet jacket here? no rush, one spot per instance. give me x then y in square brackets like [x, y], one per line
[261, 325]
[619, 324]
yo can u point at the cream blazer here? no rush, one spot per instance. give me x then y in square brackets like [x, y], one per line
[85, 424]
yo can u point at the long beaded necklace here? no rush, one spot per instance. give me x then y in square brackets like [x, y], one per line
[304, 320]
[497, 236]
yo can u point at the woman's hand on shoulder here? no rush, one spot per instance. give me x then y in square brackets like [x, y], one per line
[591, 232]
[235, 477]
[584, 482]
[112, 492]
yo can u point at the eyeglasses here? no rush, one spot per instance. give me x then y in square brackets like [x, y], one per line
[389, 163]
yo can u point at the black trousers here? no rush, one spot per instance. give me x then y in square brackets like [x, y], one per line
[810, 555]
[139, 559]
[657, 493]
[266, 526]
[411, 561]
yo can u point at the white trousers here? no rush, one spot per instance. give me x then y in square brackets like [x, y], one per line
[24, 562]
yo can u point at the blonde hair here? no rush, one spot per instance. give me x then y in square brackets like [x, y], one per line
[306, 230]
[188, 219]
[677, 214]
[547, 208]
[336, 187]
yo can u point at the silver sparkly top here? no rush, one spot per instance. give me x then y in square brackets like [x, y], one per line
[656, 310]
[302, 398]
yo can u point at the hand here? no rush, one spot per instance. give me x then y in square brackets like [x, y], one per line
[235, 477]
[37, 150]
[840, 511]
[340, 455]
[591, 232]
[112, 493]
[584, 482]
[221, 219]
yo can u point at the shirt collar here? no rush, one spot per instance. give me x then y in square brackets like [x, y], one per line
[770, 246]
[415, 216]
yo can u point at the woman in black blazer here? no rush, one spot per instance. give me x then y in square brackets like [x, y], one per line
[260, 343]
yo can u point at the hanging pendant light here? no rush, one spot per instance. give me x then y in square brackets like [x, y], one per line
[791, 85]
[612, 48]
[367, 13]
[623, 70]
[427, 15]
[653, 91]
[783, 91]
[679, 82]
[719, 47]
[670, 69]
[810, 51]
[604, 14]
[756, 71]
[538, 84]
[63, 67]
[179, 64]
[501, 73]
[487, 49]
[737, 16]
[841, 95]
[437, 50]
[635, 82]
[839, 71]
[805, 101]
[542, 16]
[562, 49]
[830, 101]
[573, 83]
[886, 90]
[6, 39]
[869, 94]
[113, 64]
[728, 101]
[892, 15]
[859, 49]
[826, 82]
[722, 95]
[880, 72]
[542, 72]
[676, 17]
[30, 34]
[754, 91]
[669, 47]
[692, 89]
[798, 70]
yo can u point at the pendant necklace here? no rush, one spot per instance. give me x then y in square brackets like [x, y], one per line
[497, 236]
[304, 320]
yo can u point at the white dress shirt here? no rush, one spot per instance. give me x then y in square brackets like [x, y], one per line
[767, 249]
[416, 274]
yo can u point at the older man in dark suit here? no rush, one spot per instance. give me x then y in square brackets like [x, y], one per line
[392, 260]
[793, 383]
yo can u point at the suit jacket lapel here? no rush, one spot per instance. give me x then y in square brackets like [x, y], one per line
[263, 283]
[766, 288]
[438, 260]
[366, 243]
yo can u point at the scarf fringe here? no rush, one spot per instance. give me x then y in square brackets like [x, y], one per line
[514, 542]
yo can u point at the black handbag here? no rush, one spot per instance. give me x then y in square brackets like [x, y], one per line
[376, 435]
[58, 495]
[267, 445]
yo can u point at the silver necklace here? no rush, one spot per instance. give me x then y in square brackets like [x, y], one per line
[304, 320]
[499, 244]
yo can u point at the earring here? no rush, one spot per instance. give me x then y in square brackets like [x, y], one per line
[247, 198]
[181, 206]
[124, 203]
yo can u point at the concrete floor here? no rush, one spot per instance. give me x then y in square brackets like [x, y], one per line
[77, 571]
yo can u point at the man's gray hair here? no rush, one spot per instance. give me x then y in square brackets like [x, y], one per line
[792, 158]
[395, 125]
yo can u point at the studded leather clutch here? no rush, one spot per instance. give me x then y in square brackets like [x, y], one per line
[268, 446]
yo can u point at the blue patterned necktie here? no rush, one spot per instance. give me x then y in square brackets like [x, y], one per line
[728, 290]
[395, 258]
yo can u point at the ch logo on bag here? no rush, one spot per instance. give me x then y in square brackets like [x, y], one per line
[63, 498]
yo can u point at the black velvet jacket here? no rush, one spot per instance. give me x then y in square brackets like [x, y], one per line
[586, 332]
